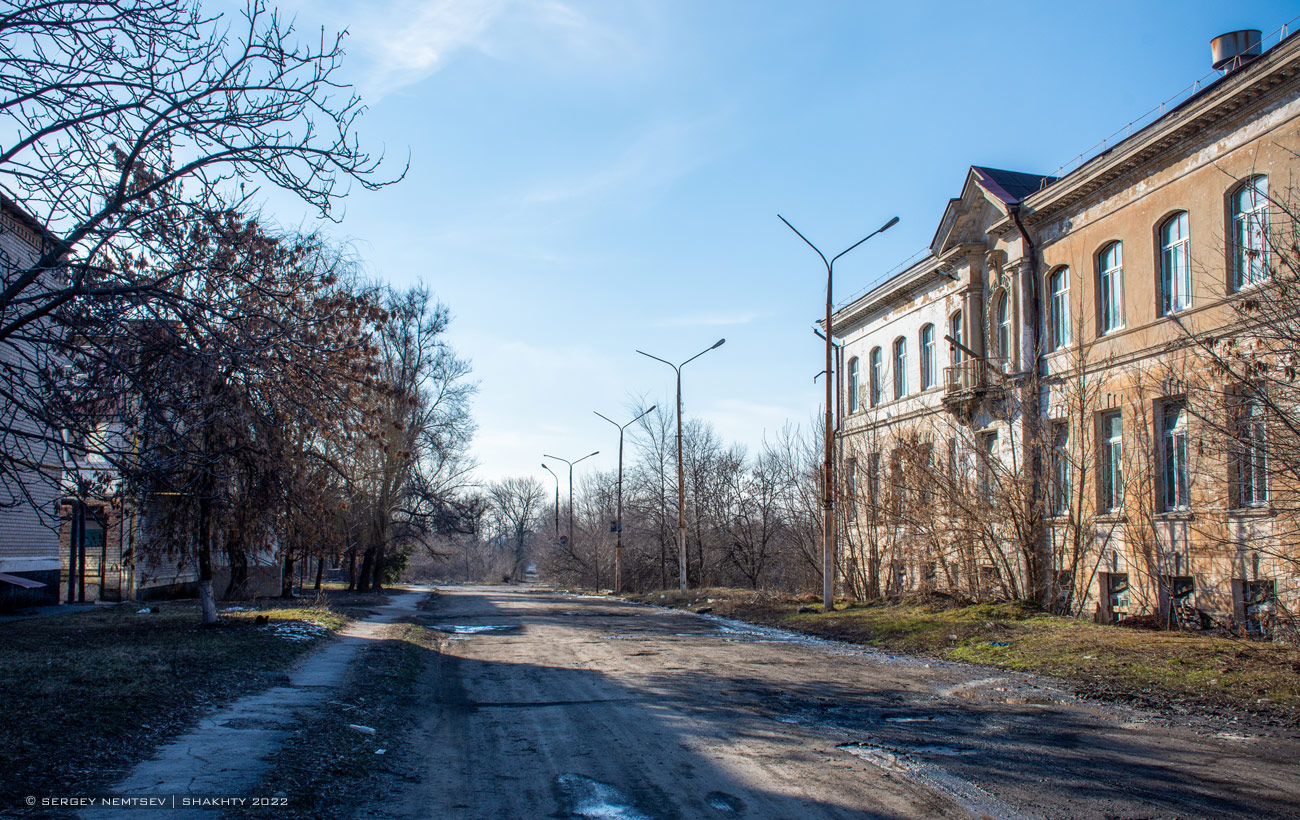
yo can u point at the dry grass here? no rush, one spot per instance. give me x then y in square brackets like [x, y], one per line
[88, 694]
[1167, 670]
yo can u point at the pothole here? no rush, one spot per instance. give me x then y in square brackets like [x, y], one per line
[457, 629]
[582, 796]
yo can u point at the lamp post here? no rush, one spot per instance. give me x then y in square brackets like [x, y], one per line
[681, 473]
[557, 499]
[571, 464]
[618, 525]
[828, 475]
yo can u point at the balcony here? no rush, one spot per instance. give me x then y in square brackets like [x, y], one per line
[969, 381]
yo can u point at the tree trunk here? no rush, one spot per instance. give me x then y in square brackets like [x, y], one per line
[237, 586]
[320, 571]
[286, 579]
[367, 569]
[352, 568]
[207, 603]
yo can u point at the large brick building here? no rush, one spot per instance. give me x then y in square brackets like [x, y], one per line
[29, 543]
[1052, 376]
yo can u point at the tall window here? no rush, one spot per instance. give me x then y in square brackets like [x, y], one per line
[851, 480]
[988, 453]
[1250, 232]
[927, 357]
[1110, 287]
[1058, 287]
[1059, 489]
[853, 385]
[1004, 330]
[876, 389]
[954, 330]
[1175, 265]
[1112, 463]
[900, 367]
[1252, 458]
[1176, 480]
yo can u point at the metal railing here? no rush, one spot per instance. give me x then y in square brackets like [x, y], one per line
[971, 374]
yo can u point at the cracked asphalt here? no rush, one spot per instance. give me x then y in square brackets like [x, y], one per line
[541, 704]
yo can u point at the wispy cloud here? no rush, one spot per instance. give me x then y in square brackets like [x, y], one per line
[656, 158]
[405, 41]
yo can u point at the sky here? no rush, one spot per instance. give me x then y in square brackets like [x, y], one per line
[588, 178]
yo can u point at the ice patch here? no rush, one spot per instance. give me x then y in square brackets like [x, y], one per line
[585, 797]
[471, 630]
[297, 630]
[971, 797]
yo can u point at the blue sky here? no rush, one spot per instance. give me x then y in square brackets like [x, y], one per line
[592, 177]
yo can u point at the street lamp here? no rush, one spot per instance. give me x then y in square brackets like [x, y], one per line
[681, 473]
[557, 500]
[618, 525]
[557, 489]
[828, 476]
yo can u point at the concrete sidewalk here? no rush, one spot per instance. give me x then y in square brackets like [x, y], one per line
[225, 754]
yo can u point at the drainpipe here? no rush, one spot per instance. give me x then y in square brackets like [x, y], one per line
[1031, 416]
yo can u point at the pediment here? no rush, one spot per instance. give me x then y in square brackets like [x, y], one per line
[967, 218]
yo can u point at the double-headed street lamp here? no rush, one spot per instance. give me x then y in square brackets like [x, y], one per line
[618, 525]
[571, 464]
[681, 473]
[828, 475]
[557, 500]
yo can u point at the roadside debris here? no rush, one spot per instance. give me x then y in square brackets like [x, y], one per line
[357, 727]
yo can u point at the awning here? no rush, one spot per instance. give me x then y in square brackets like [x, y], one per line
[25, 583]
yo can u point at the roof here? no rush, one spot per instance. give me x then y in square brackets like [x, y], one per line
[31, 222]
[1011, 186]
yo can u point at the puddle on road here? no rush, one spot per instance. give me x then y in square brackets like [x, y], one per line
[585, 797]
[726, 803]
[472, 630]
[966, 794]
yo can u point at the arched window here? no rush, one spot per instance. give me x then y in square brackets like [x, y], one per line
[927, 357]
[900, 367]
[954, 378]
[853, 385]
[1250, 233]
[1110, 288]
[1003, 320]
[1058, 288]
[1175, 265]
[876, 388]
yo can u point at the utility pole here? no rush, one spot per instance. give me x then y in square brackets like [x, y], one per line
[618, 525]
[828, 471]
[681, 472]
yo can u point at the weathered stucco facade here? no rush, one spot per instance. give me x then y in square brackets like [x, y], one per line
[1068, 426]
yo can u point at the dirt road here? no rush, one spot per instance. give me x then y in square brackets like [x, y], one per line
[547, 705]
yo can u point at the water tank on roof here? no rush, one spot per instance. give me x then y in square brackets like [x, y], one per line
[1236, 48]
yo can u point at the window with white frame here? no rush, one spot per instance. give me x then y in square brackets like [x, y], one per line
[927, 357]
[954, 331]
[1058, 288]
[853, 385]
[900, 367]
[1250, 232]
[876, 388]
[1003, 321]
[1112, 463]
[1110, 287]
[986, 465]
[1175, 265]
[1177, 484]
[1059, 478]
[851, 480]
[1252, 455]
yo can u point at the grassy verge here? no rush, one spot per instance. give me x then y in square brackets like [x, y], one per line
[326, 770]
[1179, 672]
[88, 694]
